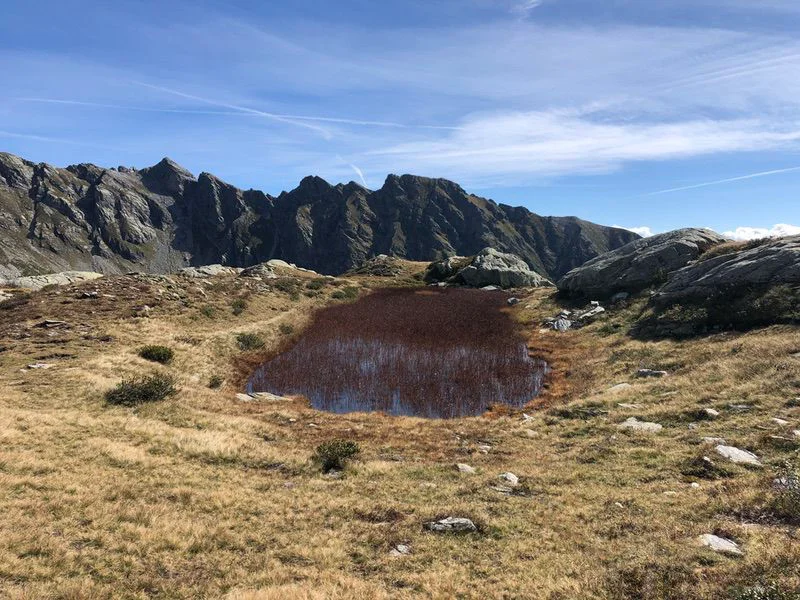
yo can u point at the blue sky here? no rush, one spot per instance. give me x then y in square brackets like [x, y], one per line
[640, 113]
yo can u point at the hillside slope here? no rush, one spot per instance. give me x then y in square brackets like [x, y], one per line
[162, 218]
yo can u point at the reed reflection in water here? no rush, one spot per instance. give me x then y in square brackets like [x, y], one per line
[431, 353]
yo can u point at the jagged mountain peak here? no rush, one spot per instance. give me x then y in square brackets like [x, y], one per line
[161, 218]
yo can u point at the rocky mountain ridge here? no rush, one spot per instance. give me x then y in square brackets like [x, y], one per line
[163, 218]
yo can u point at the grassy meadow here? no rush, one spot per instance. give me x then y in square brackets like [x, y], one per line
[203, 495]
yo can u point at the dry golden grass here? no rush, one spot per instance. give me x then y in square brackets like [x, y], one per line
[203, 496]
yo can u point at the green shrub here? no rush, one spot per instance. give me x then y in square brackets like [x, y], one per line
[316, 284]
[208, 311]
[250, 341]
[238, 306]
[348, 293]
[140, 390]
[286, 329]
[334, 453]
[215, 382]
[155, 353]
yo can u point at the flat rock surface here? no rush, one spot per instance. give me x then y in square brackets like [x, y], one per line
[719, 544]
[737, 455]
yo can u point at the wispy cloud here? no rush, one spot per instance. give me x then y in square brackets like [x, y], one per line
[324, 132]
[723, 181]
[754, 233]
[360, 174]
[525, 7]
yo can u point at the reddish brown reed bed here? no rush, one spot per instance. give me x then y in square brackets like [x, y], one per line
[437, 353]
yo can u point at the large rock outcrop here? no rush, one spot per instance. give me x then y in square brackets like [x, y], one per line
[641, 264]
[163, 218]
[749, 270]
[488, 267]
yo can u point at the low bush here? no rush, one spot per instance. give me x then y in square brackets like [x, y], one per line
[249, 342]
[238, 306]
[141, 390]
[208, 311]
[286, 329]
[155, 353]
[333, 454]
[316, 284]
[215, 382]
[348, 293]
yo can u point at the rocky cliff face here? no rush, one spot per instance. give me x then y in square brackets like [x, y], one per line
[163, 218]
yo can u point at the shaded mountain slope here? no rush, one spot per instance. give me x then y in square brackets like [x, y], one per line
[162, 218]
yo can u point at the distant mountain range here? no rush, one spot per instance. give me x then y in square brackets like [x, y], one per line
[163, 218]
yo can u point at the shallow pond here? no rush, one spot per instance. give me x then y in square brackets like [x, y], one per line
[437, 353]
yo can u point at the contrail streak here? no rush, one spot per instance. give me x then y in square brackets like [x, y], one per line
[721, 181]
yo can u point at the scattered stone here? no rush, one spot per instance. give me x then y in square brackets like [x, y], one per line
[51, 324]
[489, 267]
[88, 295]
[796, 433]
[562, 325]
[695, 485]
[711, 413]
[37, 282]
[510, 478]
[484, 448]
[627, 406]
[512, 301]
[260, 271]
[334, 474]
[714, 440]
[208, 271]
[503, 489]
[620, 387]
[650, 373]
[451, 525]
[738, 456]
[526, 417]
[740, 407]
[592, 314]
[244, 398]
[532, 434]
[37, 366]
[719, 544]
[619, 505]
[781, 422]
[465, 468]
[670, 493]
[267, 397]
[634, 424]
[490, 288]
[400, 550]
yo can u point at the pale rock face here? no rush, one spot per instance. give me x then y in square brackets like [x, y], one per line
[719, 544]
[465, 468]
[638, 265]
[634, 424]
[738, 456]
[489, 267]
[451, 525]
[37, 282]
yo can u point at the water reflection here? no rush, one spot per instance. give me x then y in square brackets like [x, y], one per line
[460, 355]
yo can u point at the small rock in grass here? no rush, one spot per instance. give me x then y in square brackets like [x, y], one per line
[37, 366]
[796, 433]
[711, 413]
[244, 398]
[781, 422]
[484, 448]
[628, 406]
[619, 387]
[738, 456]
[451, 525]
[512, 301]
[634, 424]
[714, 440]
[695, 485]
[465, 468]
[531, 433]
[719, 544]
[400, 550]
[670, 493]
[510, 478]
[650, 373]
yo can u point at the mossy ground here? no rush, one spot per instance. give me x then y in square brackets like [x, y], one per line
[203, 496]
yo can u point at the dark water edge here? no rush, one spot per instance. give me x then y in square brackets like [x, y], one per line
[435, 353]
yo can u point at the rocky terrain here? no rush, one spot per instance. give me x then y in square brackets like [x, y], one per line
[163, 218]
